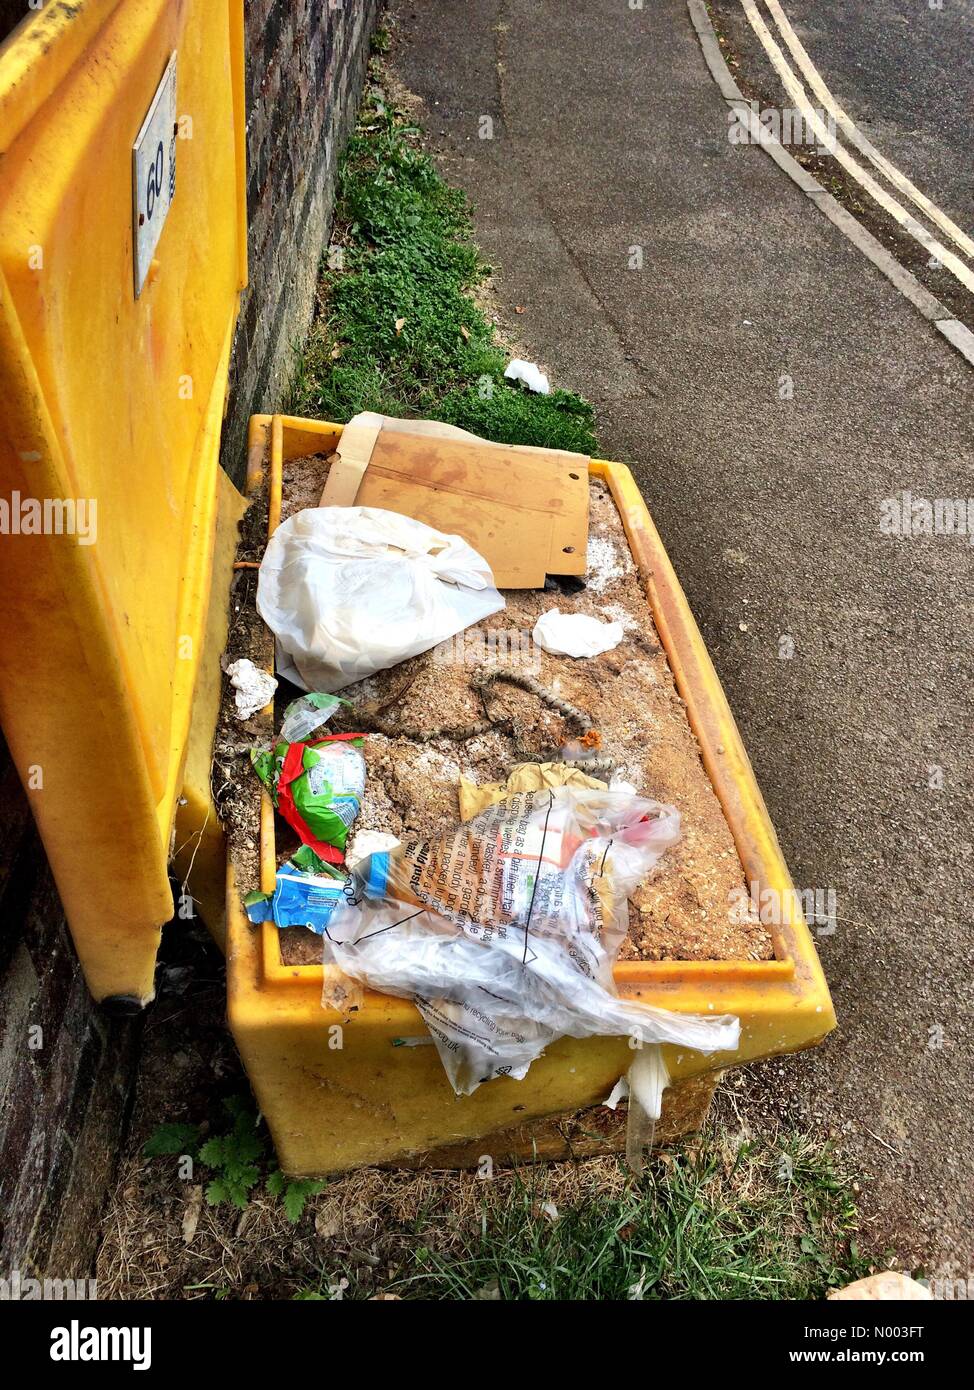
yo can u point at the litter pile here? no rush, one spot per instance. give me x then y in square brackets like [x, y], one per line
[471, 833]
[504, 931]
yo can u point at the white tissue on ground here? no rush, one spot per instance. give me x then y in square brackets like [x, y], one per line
[619, 784]
[619, 1092]
[530, 373]
[575, 634]
[254, 688]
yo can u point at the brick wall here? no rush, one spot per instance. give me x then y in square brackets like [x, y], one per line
[66, 1071]
[306, 62]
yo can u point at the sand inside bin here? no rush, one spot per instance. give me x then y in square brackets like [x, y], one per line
[683, 911]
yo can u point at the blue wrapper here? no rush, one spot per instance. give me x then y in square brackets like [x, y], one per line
[298, 900]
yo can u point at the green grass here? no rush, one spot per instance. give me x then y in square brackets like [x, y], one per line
[769, 1221]
[399, 329]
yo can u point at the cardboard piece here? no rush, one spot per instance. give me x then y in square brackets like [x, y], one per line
[525, 510]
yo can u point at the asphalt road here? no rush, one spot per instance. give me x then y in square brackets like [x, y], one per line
[608, 133]
[904, 72]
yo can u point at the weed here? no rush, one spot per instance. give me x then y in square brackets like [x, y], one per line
[399, 329]
[233, 1157]
[759, 1221]
[236, 1160]
[172, 1139]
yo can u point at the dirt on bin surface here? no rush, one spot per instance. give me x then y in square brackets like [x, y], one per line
[234, 784]
[687, 909]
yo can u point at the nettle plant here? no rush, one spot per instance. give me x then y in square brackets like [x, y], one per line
[236, 1160]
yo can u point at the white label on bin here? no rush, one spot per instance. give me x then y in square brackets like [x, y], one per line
[154, 173]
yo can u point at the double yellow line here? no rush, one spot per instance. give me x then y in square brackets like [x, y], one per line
[793, 85]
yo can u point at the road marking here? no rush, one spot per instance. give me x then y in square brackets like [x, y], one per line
[797, 92]
[952, 330]
[855, 136]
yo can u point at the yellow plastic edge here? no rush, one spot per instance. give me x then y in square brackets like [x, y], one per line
[36, 56]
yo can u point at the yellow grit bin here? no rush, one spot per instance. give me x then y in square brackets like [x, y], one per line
[337, 1093]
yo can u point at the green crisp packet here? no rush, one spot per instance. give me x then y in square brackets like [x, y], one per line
[317, 787]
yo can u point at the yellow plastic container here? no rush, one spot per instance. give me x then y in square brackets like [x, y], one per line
[115, 331]
[340, 1094]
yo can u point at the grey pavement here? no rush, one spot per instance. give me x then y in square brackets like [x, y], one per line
[609, 134]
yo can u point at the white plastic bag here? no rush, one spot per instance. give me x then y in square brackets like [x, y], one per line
[528, 372]
[647, 1079]
[307, 714]
[351, 590]
[504, 931]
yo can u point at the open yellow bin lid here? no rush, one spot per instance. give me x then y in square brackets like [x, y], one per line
[122, 254]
